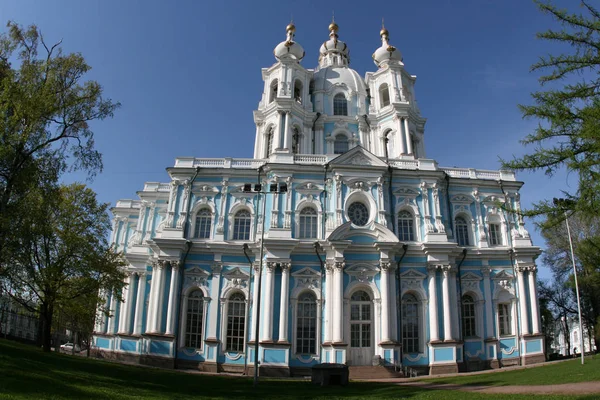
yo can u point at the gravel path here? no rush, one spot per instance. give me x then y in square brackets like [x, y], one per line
[580, 388]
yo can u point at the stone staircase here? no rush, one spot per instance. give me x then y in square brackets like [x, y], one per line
[373, 372]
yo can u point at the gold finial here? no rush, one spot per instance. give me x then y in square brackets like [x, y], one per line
[333, 26]
[291, 27]
[383, 30]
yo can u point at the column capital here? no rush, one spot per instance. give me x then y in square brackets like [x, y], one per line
[532, 269]
[271, 266]
[339, 265]
[216, 268]
[521, 269]
[486, 272]
[386, 266]
[329, 267]
[161, 263]
[175, 264]
[140, 274]
[286, 266]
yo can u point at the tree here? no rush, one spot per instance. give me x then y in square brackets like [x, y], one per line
[64, 256]
[568, 135]
[45, 111]
[585, 233]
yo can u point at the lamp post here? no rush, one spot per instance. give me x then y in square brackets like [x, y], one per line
[257, 188]
[560, 203]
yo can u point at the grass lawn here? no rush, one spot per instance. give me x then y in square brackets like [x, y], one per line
[563, 372]
[28, 373]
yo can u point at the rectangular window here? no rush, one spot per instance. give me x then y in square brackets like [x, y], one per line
[405, 230]
[495, 235]
[504, 320]
[410, 328]
[306, 332]
[235, 326]
[468, 319]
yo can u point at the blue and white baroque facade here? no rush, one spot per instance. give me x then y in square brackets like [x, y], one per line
[416, 265]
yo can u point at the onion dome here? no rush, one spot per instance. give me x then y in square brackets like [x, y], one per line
[289, 49]
[386, 53]
[333, 45]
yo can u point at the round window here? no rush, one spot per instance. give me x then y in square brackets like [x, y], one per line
[358, 214]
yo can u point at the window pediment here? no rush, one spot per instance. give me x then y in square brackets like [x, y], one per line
[462, 199]
[362, 272]
[407, 192]
[309, 188]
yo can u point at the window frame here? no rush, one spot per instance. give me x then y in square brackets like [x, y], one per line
[338, 140]
[235, 234]
[241, 330]
[495, 235]
[300, 339]
[302, 219]
[412, 232]
[339, 108]
[384, 89]
[201, 311]
[468, 319]
[417, 322]
[466, 233]
[208, 233]
[504, 312]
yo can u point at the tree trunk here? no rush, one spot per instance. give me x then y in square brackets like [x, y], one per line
[46, 316]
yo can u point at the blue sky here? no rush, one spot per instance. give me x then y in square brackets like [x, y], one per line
[188, 74]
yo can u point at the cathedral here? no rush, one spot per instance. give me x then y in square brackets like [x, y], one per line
[338, 242]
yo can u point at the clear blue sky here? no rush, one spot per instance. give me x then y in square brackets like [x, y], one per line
[188, 74]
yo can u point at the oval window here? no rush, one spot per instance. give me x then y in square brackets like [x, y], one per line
[358, 214]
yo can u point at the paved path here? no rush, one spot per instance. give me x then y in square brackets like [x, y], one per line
[580, 388]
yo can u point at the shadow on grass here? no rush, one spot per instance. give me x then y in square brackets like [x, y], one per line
[27, 372]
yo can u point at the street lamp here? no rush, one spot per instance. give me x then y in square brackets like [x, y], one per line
[560, 203]
[257, 188]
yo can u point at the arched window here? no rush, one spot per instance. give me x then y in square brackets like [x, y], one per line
[468, 316]
[298, 92]
[194, 320]
[273, 93]
[462, 231]
[236, 322]
[384, 95]
[340, 145]
[340, 105]
[308, 223]
[406, 226]
[203, 224]
[241, 225]
[306, 324]
[495, 234]
[295, 141]
[388, 144]
[270, 138]
[410, 324]
[360, 319]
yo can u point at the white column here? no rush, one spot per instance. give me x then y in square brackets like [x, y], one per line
[400, 136]
[257, 271]
[489, 312]
[172, 306]
[215, 290]
[338, 281]
[286, 131]
[283, 302]
[158, 299]
[328, 302]
[112, 318]
[139, 305]
[125, 306]
[267, 310]
[407, 137]
[385, 301]
[522, 301]
[434, 334]
[100, 316]
[533, 302]
[446, 301]
[152, 298]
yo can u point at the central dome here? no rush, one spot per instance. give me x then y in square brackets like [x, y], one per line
[327, 77]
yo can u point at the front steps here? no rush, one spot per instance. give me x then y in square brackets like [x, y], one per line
[373, 372]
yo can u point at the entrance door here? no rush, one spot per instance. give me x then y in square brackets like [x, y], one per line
[361, 322]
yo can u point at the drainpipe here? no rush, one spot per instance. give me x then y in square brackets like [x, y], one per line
[318, 247]
[245, 248]
[188, 245]
[398, 298]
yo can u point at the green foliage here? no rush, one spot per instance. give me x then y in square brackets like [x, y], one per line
[568, 135]
[45, 111]
[560, 291]
[63, 256]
